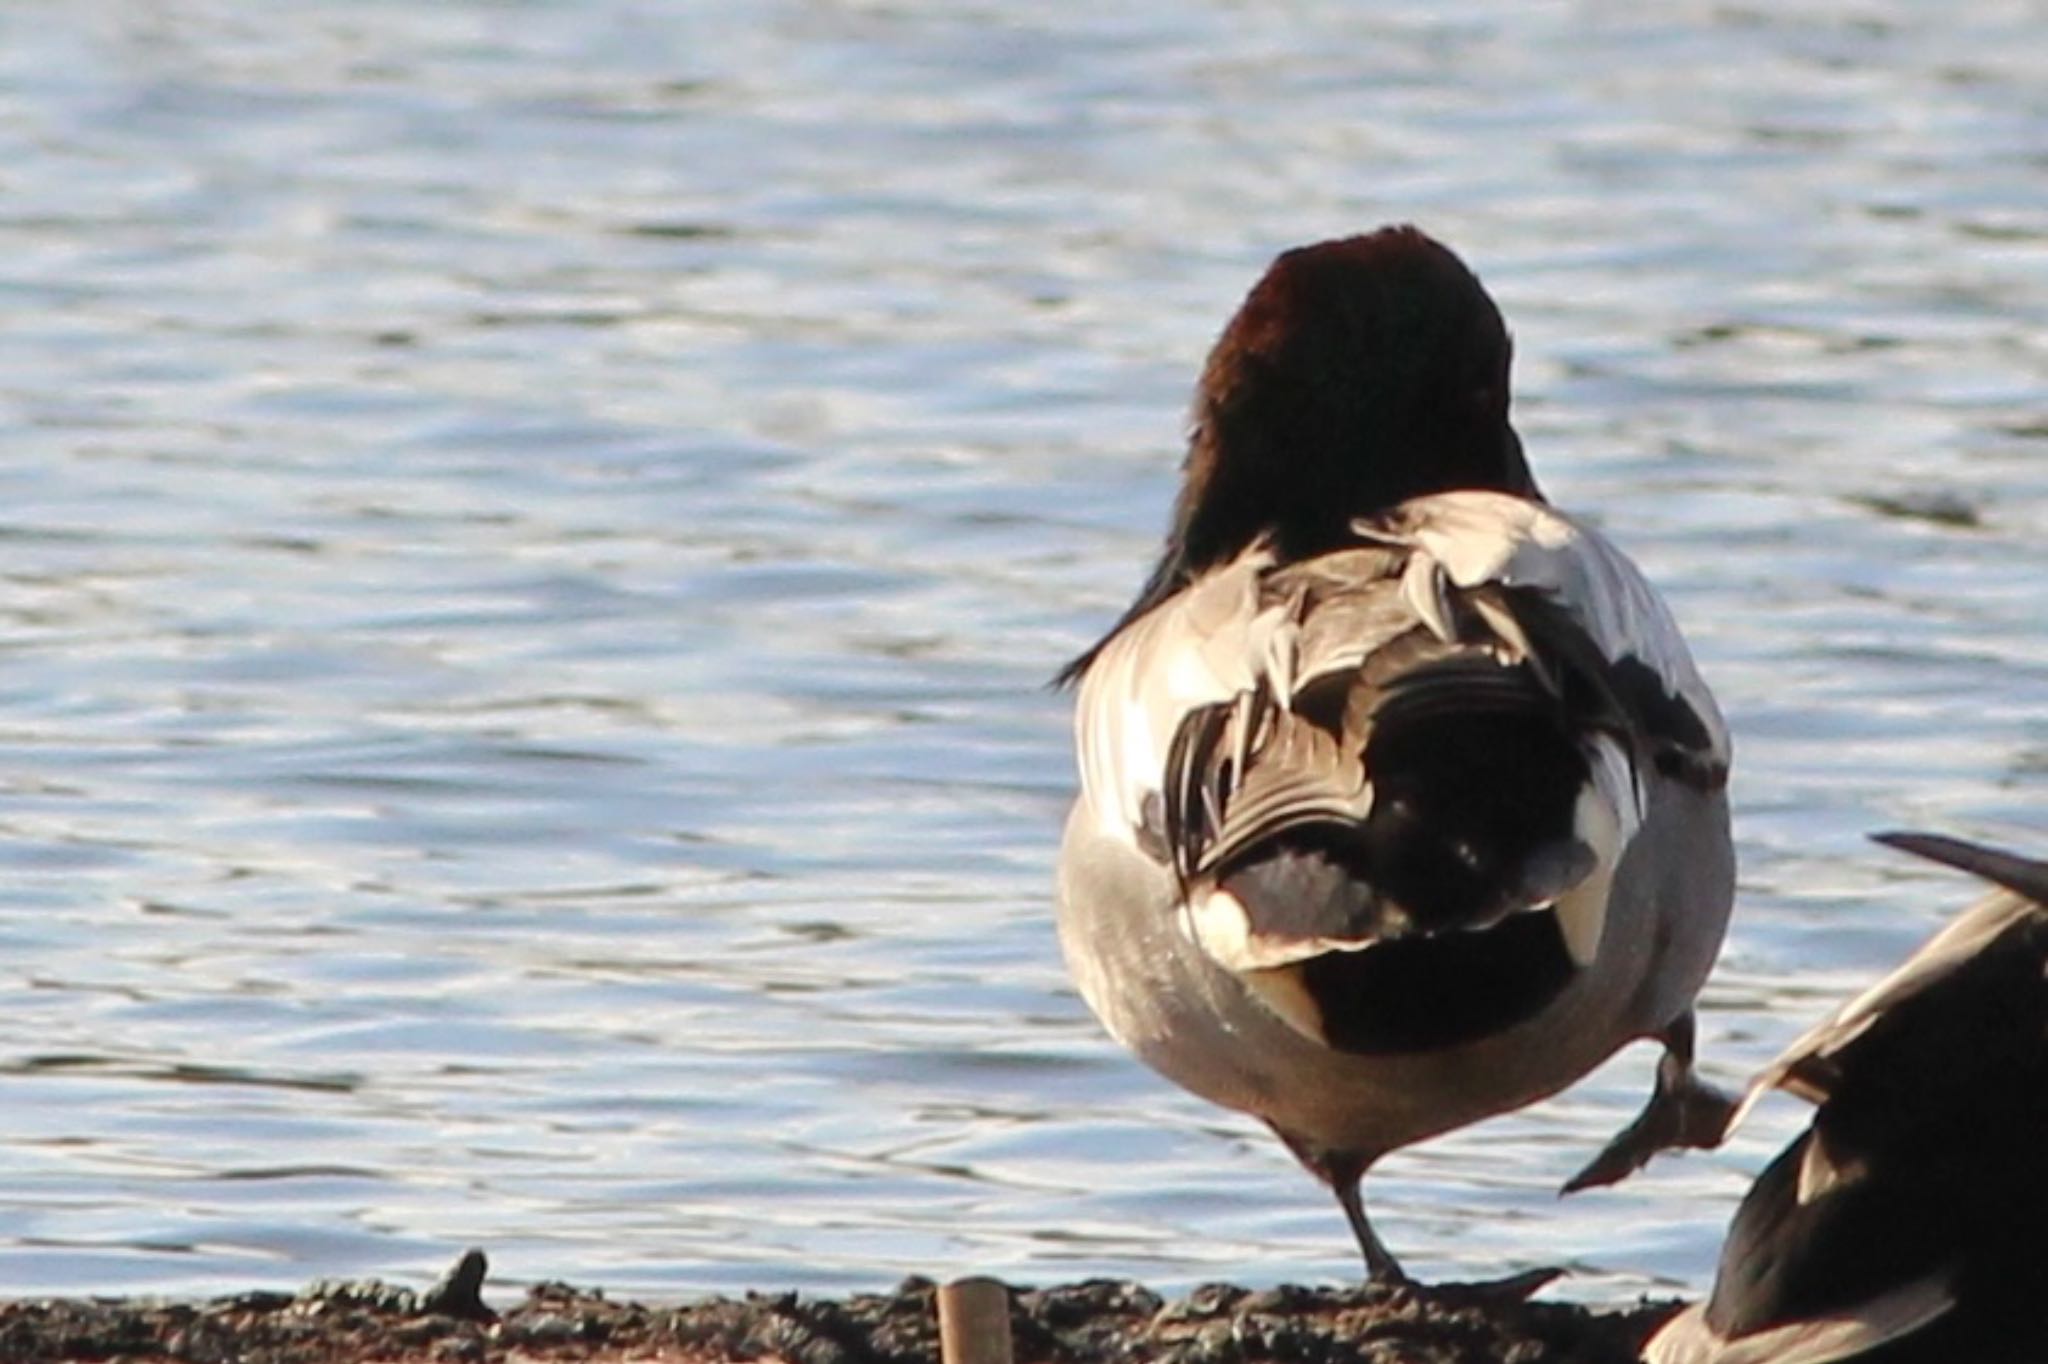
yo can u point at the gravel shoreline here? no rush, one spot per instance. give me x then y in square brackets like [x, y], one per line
[1093, 1322]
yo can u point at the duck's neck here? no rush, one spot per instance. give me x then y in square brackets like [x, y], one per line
[1227, 504]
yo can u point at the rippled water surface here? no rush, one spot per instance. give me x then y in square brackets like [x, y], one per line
[534, 534]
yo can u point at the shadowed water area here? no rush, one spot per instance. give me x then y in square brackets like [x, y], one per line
[533, 536]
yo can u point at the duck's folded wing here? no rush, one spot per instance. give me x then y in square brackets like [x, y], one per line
[1220, 804]
[1301, 820]
[1465, 539]
[1826, 1338]
[1811, 1067]
[1203, 645]
[1471, 638]
[1873, 1253]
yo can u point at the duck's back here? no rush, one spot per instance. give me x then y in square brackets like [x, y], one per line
[1356, 775]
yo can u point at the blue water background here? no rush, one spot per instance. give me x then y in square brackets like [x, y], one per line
[532, 537]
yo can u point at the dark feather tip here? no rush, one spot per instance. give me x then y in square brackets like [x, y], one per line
[2021, 875]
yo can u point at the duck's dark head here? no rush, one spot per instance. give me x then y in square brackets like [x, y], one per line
[1357, 374]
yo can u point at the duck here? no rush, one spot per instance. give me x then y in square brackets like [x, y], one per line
[1904, 1224]
[1402, 803]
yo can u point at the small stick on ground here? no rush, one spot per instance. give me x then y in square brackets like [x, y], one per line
[974, 1322]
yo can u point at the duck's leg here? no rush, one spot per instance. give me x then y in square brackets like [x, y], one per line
[1380, 1264]
[1683, 1110]
[1344, 1172]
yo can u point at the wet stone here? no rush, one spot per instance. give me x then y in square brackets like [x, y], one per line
[1205, 1301]
[459, 1293]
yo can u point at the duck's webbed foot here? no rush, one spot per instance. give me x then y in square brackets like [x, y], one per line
[1514, 1288]
[1683, 1111]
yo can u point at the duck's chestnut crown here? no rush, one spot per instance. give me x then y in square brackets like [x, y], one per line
[1358, 373]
